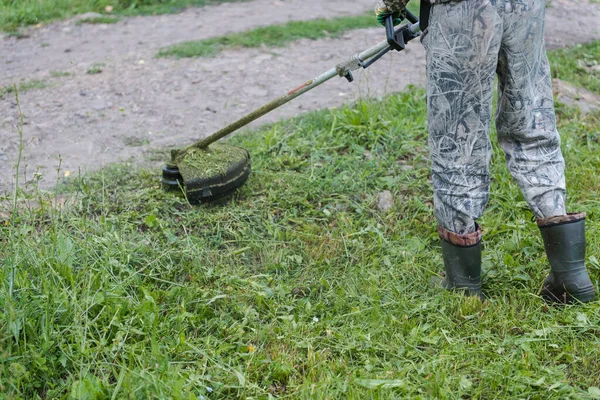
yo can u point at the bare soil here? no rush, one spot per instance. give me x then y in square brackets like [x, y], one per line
[139, 105]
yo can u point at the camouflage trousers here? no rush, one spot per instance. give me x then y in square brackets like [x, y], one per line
[468, 43]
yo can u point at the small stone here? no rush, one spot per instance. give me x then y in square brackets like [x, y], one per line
[385, 201]
[98, 104]
[3, 157]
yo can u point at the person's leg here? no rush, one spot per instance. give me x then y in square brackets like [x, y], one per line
[525, 119]
[462, 44]
[527, 133]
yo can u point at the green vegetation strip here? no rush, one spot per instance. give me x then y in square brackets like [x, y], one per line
[17, 13]
[271, 36]
[105, 19]
[579, 65]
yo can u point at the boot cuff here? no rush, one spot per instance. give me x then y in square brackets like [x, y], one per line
[560, 219]
[468, 240]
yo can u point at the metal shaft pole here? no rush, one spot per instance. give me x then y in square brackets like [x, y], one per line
[313, 83]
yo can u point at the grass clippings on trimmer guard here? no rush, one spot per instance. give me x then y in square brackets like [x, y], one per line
[206, 173]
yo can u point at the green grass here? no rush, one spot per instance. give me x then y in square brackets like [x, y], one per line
[23, 86]
[17, 13]
[105, 19]
[271, 36]
[60, 74]
[95, 69]
[576, 65]
[295, 287]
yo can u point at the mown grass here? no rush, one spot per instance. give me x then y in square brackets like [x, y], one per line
[274, 35]
[17, 13]
[579, 64]
[296, 286]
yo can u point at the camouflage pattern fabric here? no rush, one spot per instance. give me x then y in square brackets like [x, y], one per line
[468, 43]
[400, 5]
[391, 5]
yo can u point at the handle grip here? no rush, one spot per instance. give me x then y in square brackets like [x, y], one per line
[397, 38]
[391, 34]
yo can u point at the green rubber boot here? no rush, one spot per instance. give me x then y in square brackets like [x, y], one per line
[564, 240]
[462, 262]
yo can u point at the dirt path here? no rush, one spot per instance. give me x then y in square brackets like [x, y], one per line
[139, 104]
[59, 46]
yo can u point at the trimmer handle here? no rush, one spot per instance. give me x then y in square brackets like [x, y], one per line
[397, 39]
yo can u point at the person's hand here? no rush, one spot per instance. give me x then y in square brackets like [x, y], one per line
[383, 13]
[395, 8]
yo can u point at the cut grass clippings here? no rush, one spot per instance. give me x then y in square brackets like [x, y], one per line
[270, 36]
[213, 161]
[18, 13]
[296, 286]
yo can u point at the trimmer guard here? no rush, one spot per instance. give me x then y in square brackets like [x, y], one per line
[197, 188]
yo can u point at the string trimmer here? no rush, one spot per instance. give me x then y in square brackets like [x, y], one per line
[205, 170]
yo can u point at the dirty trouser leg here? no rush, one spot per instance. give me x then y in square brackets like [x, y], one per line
[525, 121]
[462, 43]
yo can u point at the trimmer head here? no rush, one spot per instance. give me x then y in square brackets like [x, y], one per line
[205, 174]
